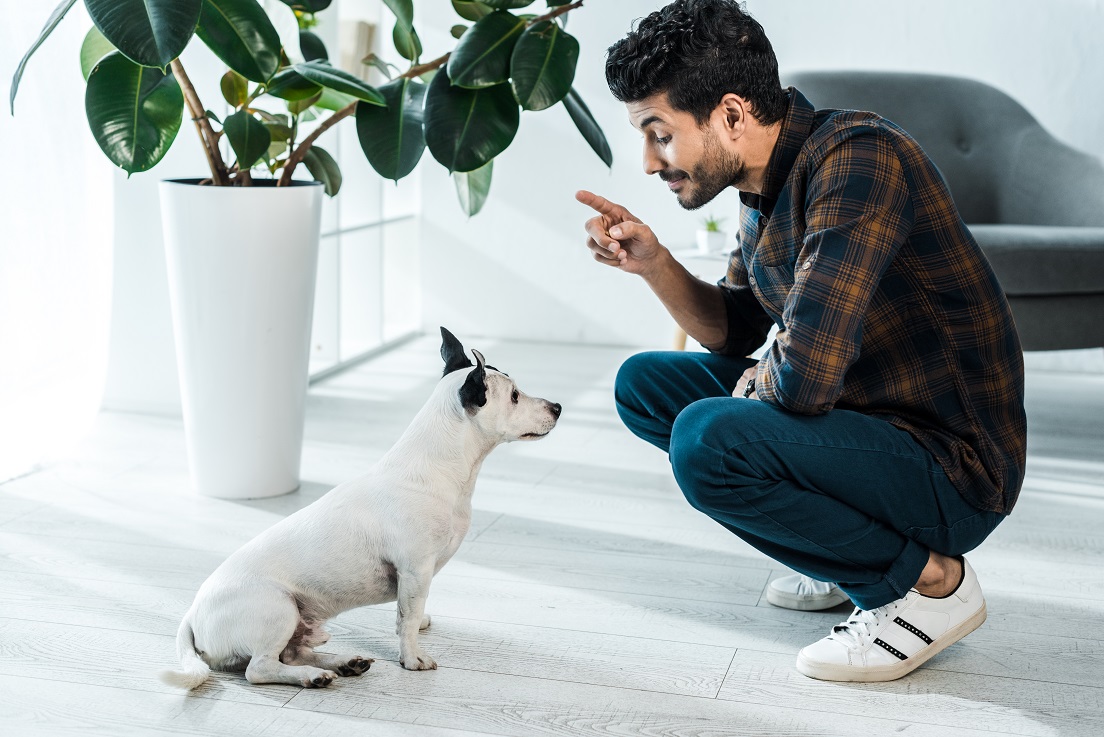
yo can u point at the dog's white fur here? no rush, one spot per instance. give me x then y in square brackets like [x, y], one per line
[378, 538]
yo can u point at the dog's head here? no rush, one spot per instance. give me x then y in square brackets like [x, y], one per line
[492, 400]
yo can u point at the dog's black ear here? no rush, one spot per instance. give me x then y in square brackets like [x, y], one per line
[473, 394]
[453, 353]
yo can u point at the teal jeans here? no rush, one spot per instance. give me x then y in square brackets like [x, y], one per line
[840, 497]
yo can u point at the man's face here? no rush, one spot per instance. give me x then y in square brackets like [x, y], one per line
[691, 158]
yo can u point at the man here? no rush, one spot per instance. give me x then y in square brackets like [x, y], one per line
[882, 435]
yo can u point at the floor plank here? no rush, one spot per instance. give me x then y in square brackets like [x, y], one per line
[952, 700]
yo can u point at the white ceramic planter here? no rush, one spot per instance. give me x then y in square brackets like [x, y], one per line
[711, 241]
[242, 264]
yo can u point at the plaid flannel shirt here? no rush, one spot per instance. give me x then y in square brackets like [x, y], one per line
[885, 304]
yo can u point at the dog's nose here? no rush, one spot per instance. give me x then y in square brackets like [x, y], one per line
[556, 409]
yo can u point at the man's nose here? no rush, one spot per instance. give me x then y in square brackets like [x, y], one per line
[652, 163]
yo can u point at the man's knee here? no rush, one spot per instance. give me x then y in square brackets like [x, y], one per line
[633, 378]
[697, 449]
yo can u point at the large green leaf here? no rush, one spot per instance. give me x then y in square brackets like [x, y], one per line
[235, 88]
[482, 56]
[588, 126]
[134, 112]
[94, 48]
[472, 187]
[465, 128]
[240, 33]
[471, 9]
[407, 42]
[339, 80]
[543, 65]
[288, 84]
[312, 47]
[249, 137]
[331, 100]
[51, 24]
[149, 32]
[392, 136]
[403, 10]
[324, 169]
[507, 4]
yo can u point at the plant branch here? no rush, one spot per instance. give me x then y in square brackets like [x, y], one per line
[203, 126]
[556, 12]
[296, 156]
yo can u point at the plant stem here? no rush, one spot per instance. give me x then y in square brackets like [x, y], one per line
[203, 126]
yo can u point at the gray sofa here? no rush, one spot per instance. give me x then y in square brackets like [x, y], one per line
[1035, 205]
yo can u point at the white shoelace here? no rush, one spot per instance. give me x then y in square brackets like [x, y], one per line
[858, 631]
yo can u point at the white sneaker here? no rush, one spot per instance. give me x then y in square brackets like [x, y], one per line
[886, 643]
[804, 594]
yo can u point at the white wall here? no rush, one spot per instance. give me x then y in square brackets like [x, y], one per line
[519, 269]
[55, 244]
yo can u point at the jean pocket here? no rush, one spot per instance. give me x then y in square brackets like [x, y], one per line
[960, 537]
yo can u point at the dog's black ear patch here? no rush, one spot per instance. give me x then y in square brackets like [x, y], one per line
[473, 394]
[452, 353]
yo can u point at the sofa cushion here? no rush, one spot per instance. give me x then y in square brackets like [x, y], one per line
[1044, 259]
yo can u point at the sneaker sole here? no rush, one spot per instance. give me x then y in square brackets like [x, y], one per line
[807, 603]
[879, 673]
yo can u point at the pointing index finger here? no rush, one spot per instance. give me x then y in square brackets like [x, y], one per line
[595, 202]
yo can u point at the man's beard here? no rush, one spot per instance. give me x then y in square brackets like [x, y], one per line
[717, 171]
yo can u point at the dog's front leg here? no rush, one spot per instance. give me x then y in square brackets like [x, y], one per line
[413, 589]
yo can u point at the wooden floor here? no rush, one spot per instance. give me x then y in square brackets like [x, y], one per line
[589, 598]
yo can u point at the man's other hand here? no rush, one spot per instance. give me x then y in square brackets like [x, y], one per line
[617, 238]
[742, 382]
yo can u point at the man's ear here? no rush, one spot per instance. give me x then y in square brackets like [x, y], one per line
[736, 111]
[473, 394]
[453, 353]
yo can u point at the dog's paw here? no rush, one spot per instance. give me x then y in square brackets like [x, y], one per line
[321, 679]
[417, 660]
[425, 623]
[356, 666]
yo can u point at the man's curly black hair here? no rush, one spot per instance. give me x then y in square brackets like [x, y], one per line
[697, 51]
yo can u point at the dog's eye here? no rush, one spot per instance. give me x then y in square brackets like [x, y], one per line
[514, 397]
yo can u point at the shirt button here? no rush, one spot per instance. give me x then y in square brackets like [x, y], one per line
[808, 264]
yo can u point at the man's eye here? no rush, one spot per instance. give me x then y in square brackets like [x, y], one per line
[663, 141]
[514, 397]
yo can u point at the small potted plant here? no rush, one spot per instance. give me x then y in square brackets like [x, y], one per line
[711, 238]
[242, 239]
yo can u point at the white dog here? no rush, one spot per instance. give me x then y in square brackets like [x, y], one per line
[375, 539]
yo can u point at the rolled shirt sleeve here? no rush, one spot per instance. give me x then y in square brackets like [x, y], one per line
[858, 214]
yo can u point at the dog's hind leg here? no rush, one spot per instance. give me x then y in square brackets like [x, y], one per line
[343, 665]
[413, 589]
[276, 628]
[269, 669]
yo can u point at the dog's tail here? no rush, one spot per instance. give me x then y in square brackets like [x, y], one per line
[193, 670]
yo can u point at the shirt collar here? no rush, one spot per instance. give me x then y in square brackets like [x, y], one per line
[797, 124]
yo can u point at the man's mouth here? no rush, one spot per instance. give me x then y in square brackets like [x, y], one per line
[674, 181]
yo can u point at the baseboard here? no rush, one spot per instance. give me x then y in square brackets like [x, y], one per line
[1082, 361]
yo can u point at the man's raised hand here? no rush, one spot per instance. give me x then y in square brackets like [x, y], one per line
[616, 237]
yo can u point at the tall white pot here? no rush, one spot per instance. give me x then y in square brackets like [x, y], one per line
[242, 264]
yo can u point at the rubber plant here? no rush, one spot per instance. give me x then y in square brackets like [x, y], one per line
[464, 106]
